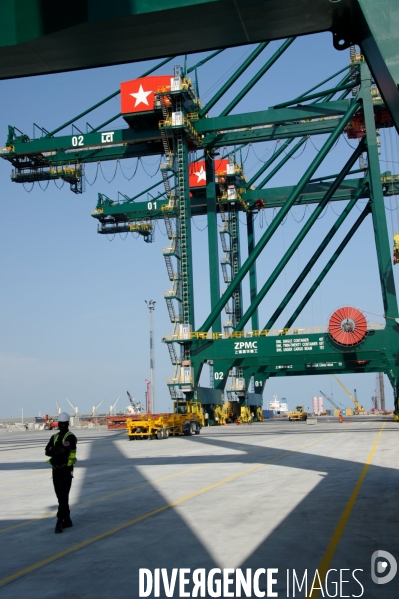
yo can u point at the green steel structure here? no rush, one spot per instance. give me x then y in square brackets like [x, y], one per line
[240, 350]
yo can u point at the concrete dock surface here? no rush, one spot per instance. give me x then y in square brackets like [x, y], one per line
[277, 494]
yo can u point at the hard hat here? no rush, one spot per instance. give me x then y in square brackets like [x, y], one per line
[63, 417]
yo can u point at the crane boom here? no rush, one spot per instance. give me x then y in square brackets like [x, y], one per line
[95, 408]
[359, 408]
[75, 408]
[117, 399]
[330, 400]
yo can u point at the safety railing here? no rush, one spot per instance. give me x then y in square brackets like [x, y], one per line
[176, 336]
[180, 380]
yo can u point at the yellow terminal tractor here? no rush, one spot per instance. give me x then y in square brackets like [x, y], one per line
[187, 419]
[299, 414]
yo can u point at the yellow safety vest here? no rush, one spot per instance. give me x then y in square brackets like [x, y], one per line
[72, 455]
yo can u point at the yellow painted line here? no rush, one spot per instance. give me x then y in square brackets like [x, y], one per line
[12, 480]
[167, 506]
[21, 489]
[146, 484]
[335, 539]
[103, 497]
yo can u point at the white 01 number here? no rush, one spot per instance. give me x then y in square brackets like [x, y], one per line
[218, 376]
[258, 383]
[77, 140]
[152, 205]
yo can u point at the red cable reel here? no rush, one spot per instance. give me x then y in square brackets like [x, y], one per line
[347, 326]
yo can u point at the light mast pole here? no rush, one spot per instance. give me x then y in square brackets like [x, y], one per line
[151, 307]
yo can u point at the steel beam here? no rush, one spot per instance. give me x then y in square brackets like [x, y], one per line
[313, 259]
[213, 252]
[268, 64]
[151, 70]
[320, 94]
[272, 116]
[280, 216]
[328, 266]
[266, 165]
[226, 86]
[299, 98]
[299, 238]
[204, 60]
[253, 288]
[378, 208]
[287, 156]
[267, 133]
[378, 25]
[273, 197]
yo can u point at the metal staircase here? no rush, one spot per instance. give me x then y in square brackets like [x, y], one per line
[230, 263]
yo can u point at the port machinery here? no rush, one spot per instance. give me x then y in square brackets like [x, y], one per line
[165, 117]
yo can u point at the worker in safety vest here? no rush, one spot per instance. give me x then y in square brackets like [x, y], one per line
[62, 451]
[340, 417]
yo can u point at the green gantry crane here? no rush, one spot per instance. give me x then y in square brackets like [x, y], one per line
[167, 118]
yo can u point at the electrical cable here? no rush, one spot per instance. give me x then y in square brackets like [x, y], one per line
[29, 190]
[44, 189]
[331, 206]
[391, 209]
[302, 151]
[206, 226]
[245, 159]
[322, 139]
[148, 174]
[344, 136]
[95, 178]
[160, 230]
[102, 172]
[322, 215]
[135, 170]
[265, 152]
[150, 163]
[311, 141]
[303, 216]
[55, 183]
[284, 221]
[131, 167]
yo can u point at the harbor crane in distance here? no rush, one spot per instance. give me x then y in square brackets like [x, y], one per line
[136, 407]
[95, 408]
[58, 408]
[112, 408]
[359, 408]
[332, 402]
[74, 408]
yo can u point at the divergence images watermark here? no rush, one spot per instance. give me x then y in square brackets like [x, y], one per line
[231, 582]
[262, 582]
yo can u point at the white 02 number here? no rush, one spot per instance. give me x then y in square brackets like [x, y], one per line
[218, 376]
[152, 205]
[77, 140]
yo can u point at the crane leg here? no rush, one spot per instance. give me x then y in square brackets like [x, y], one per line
[396, 399]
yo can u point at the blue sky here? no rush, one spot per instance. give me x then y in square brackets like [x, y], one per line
[73, 317]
